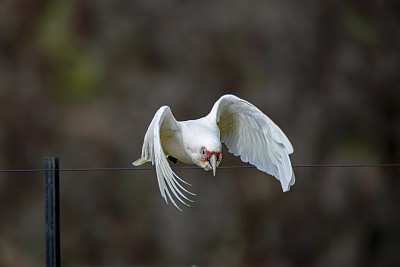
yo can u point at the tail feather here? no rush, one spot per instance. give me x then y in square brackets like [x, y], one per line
[138, 162]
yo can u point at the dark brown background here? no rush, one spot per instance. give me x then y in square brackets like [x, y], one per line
[81, 80]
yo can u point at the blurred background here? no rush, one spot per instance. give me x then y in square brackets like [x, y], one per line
[81, 80]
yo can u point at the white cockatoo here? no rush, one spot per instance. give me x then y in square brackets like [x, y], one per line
[245, 130]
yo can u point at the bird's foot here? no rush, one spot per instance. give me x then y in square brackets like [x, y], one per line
[174, 160]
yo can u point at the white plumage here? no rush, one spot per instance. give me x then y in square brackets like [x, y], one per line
[245, 130]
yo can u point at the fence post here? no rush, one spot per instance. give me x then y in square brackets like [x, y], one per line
[52, 211]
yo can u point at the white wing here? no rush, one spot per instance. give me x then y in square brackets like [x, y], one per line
[250, 134]
[162, 125]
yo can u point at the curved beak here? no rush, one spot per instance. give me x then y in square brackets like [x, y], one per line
[213, 163]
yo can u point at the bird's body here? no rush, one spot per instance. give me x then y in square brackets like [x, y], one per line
[204, 131]
[245, 130]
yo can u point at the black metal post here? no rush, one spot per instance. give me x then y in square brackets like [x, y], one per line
[52, 211]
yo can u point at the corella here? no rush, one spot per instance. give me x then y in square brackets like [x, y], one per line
[243, 128]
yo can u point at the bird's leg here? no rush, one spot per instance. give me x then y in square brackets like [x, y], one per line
[172, 159]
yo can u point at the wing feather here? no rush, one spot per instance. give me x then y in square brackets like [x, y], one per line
[163, 123]
[250, 134]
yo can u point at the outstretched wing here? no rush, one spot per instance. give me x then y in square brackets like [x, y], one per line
[163, 125]
[250, 134]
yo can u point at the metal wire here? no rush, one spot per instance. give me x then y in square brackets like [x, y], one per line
[359, 165]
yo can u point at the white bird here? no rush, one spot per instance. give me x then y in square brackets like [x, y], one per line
[245, 130]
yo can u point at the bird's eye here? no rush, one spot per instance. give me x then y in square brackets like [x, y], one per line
[203, 153]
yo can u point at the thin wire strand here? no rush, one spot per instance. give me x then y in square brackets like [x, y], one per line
[360, 165]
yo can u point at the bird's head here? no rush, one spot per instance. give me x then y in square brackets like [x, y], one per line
[204, 148]
[209, 157]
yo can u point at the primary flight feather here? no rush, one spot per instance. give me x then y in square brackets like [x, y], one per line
[245, 130]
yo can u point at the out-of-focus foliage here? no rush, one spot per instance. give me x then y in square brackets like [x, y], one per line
[81, 80]
[74, 71]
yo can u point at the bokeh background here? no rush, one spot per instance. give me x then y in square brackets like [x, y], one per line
[81, 80]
